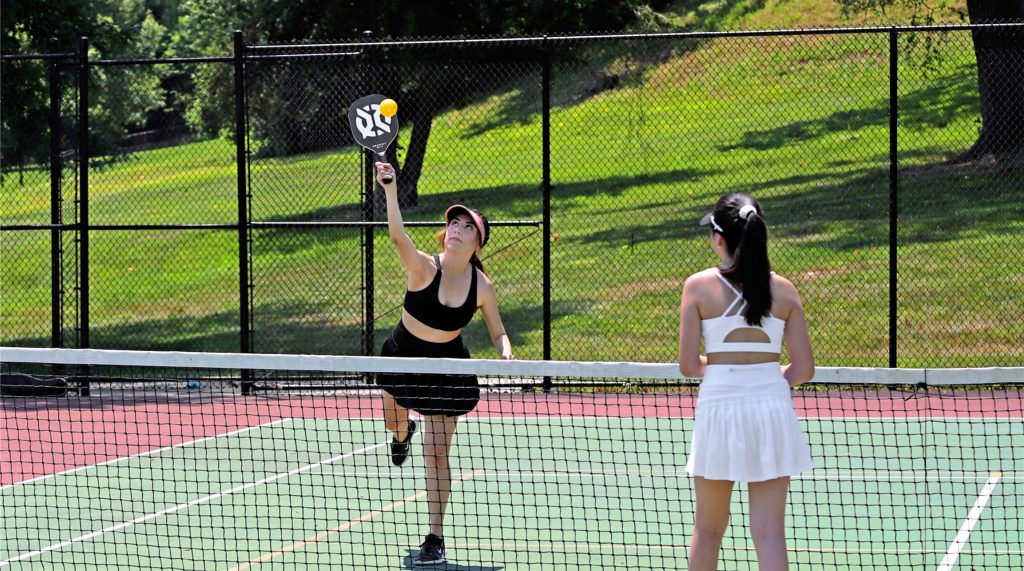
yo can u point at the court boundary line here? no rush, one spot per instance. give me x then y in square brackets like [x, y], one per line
[367, 516]
[142, 454]
[186, 505]
[964, 535]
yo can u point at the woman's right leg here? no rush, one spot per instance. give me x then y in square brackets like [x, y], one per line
[396, 417]
[437, 442]
[768, 523]
[710, 523]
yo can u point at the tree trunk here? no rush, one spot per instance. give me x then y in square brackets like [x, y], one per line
[412, 168]
[420, 108]
[1000, 60]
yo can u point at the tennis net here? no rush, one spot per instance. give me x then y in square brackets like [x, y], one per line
[166, 464]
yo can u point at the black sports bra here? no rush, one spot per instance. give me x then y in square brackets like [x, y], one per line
[427, 308]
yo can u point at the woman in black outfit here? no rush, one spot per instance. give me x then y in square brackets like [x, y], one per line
[443, 292]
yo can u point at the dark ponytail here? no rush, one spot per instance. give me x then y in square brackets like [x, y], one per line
[746, 236]
[476, 263]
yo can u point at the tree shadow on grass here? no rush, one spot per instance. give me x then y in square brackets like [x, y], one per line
[942, 101]
[581, 71]
[839, 211]
[849, 210]
[852, 211]
[511, 201]
[281, 327]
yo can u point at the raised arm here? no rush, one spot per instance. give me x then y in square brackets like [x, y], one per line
[415, 261]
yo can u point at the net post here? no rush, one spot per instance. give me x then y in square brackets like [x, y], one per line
[244, 285]
[893, 181]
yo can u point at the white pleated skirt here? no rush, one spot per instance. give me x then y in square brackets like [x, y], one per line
[746, 429]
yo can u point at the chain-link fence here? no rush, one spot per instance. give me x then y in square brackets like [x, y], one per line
[888, 162]
[38, 260]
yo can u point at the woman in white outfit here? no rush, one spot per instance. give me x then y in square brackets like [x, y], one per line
[746, 429]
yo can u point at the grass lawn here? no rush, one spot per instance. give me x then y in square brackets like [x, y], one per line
[800, 122]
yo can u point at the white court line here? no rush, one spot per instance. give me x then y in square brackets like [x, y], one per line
[179, 507]
[321, 536]
[141, 454]
[965, 530]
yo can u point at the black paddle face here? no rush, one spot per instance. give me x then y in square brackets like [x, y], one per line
[369, 128]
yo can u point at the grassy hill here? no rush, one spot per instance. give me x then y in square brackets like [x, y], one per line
[800, 122]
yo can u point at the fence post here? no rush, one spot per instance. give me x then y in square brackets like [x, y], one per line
[368, 212]
[893, 200]
[546, 191]
[56, 265]
[83, 204]
[241, 166]
[83, 192]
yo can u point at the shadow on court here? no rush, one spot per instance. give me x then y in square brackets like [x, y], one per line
[408, 562]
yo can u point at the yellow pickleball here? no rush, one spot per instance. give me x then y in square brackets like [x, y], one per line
[388, 107]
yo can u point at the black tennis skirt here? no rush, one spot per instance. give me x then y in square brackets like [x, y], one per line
[447, 395]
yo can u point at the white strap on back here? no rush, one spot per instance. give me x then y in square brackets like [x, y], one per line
[739, 296]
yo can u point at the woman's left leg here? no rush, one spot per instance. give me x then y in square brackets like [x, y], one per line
[437, 439]
[396, 417]
[710, 522]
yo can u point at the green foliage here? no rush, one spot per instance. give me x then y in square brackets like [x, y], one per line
[205, 29]
[120, 101]
[908, 12]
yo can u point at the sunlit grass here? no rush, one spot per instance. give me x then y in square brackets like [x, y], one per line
[800, 123]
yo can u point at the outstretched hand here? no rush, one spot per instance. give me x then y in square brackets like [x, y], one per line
[385, 172]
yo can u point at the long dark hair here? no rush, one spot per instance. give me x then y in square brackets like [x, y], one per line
[746, 238]
[474, 260]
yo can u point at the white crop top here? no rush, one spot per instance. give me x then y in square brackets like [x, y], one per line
[717, 329]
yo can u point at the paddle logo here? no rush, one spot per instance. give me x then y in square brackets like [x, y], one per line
[371, 123]
[371, 129]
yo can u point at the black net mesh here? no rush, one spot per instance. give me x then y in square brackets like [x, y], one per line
[167, 466]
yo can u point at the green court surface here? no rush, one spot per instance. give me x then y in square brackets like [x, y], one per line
[530, 493]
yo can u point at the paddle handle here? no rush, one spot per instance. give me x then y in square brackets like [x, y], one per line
[383, 159]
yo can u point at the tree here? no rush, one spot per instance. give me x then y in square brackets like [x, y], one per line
[27, 28]
[119, 100]
[1000, 57]
[999, 54]
[424, 91]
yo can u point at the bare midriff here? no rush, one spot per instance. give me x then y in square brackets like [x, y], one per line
[741, 358]
[425, 332]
